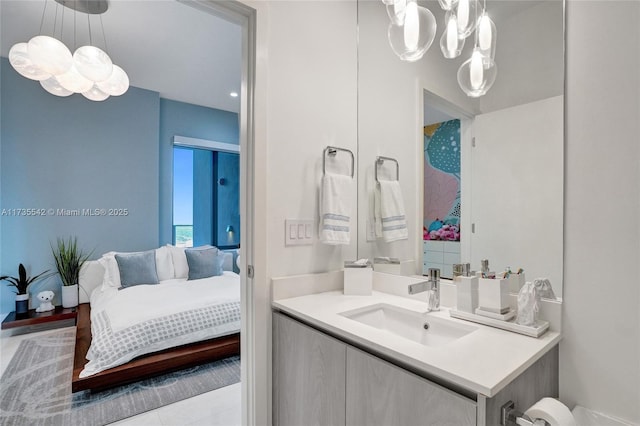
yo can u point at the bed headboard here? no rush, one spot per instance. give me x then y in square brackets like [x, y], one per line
[92, 273]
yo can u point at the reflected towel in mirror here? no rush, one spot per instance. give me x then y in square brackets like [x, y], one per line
[389, 214]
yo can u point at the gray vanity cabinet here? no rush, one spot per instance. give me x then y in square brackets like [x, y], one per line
[308, 375]
[320, 380]
[380, 393]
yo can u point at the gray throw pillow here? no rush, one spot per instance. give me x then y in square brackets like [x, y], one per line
[137, 268]
[204, 262]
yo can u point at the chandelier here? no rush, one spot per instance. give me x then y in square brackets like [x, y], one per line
[412, 30]
[88, 71]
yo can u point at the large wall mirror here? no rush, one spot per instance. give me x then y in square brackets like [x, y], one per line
[502, 184]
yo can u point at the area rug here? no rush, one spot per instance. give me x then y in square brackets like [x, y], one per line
[35, 389]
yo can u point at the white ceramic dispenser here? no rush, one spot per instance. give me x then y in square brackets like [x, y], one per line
[467, 289]
[358, 278]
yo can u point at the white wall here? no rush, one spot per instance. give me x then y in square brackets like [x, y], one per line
[530, 61]
[305, 100]
[600, 352]
[514, 195]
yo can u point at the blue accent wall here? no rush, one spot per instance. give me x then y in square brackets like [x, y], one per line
[72, 153]
[179, 118]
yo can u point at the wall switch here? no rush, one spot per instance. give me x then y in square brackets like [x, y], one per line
[298, 232]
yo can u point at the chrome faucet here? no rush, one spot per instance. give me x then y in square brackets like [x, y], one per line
[432, 285]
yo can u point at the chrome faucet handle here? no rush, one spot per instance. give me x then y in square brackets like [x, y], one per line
[434, 291]
[434, 275]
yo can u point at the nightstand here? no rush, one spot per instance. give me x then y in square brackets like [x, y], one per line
[33, 318]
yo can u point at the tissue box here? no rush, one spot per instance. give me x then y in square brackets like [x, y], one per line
[493, 295]
[516, 282]
[358, 280]
[467, 293]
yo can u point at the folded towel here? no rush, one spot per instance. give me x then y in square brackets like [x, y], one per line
[336, 197]
[390, 219]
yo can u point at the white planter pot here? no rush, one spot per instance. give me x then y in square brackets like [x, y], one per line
[70, 296]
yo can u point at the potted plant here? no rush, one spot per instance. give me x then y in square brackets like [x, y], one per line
[69, 260]
[21, 283]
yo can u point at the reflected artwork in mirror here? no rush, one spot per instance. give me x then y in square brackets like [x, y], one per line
[482, 178]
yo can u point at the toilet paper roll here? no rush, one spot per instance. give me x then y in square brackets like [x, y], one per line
[552, 411]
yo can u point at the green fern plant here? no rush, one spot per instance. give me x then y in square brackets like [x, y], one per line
[22, 281]
[69, 260]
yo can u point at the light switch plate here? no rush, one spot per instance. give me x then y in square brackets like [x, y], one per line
[298, 232]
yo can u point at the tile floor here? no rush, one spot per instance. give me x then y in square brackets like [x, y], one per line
[220, 407]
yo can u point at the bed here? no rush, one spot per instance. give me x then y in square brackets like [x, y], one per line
[128, 334]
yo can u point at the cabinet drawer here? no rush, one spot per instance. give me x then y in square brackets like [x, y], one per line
[433, 245]
[308, 375]
[451, 246]
[451, 258]
[434, 256]
[380, 393]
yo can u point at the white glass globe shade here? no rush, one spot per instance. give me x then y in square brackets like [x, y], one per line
[95, 94]
[72, 80]
[487, 35]
[412, 40]
[117, 84]
[52, 86]
[466, 11]
[447, 4]
[93, 63]
[477, 74]
[396, 10]
[21, 61]
[450, 44]
[49, 54]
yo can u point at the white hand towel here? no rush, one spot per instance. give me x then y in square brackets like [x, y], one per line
[336, 197]
[391, 222]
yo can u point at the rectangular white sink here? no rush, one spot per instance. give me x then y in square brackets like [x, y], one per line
[419, 327]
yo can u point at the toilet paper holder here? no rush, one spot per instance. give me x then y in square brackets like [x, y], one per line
[510, 416]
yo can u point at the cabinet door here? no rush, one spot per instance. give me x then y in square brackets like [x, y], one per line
[308, 375]
[379, 393]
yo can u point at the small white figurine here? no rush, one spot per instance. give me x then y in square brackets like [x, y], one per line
[45, 301]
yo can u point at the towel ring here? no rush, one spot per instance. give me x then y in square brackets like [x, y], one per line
[380, 161]
[332, 151]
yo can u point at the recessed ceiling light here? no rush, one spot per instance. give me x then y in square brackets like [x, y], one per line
[233, 94]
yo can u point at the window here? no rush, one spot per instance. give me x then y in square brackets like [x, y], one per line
[206, 196]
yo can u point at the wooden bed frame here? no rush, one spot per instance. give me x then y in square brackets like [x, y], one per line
[145, 366]
[142, 367]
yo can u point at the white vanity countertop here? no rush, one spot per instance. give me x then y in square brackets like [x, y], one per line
[483, 361]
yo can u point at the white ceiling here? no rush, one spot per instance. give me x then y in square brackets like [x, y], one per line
[165, 46]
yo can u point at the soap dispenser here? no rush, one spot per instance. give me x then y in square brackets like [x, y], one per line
[467, 289]
[484, 270]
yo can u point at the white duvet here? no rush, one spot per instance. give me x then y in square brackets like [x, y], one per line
[143, 319]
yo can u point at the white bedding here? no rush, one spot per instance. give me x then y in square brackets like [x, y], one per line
[148, 318]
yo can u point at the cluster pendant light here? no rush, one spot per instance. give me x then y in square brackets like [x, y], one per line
[88, 71]
[478, 73]
[412, 30]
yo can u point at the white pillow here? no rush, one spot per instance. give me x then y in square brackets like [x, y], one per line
[164, 264]
[111, 271]
[164, 267]
[180, 265]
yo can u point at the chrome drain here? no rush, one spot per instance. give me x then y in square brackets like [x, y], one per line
[425, 325]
